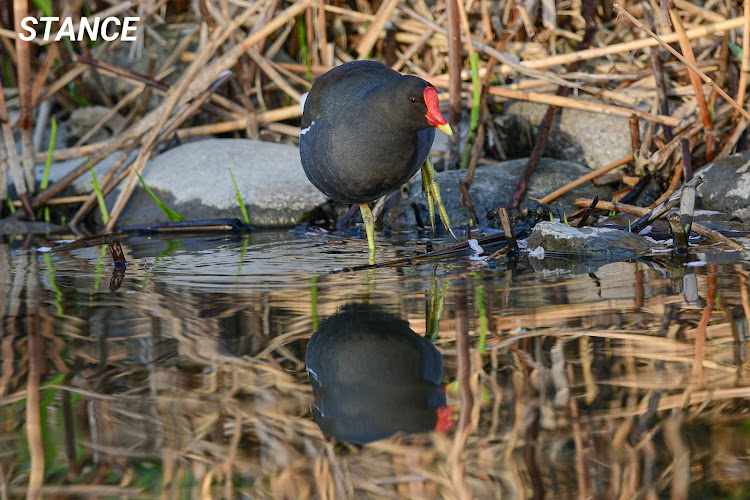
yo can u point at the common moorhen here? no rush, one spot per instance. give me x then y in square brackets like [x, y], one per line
[366, 129]
[373, 376]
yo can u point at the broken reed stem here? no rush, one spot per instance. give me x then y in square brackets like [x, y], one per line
[455, 63]
[570, 102]
[583, 179]
[687, 52]
[679, 56]
[23, 59]
[745, 66]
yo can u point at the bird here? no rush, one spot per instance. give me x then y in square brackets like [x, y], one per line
[373, 376]
[366, 129]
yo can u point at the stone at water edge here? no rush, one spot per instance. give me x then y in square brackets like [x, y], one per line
[194, 179]
[723, 189]
[493, 185]
[595, 243]
[602, 138]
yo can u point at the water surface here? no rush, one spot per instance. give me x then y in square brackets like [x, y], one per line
[444, 378]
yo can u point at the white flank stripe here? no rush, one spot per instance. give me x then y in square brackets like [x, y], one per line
[302, 100]
[306, 129]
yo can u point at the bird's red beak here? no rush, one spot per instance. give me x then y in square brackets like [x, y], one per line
[447, 418]
[434, 116]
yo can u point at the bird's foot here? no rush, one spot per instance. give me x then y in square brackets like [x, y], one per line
[369, 221]
[432, 191]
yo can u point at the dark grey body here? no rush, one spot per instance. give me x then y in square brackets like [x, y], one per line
[373, 376]
[363, 138]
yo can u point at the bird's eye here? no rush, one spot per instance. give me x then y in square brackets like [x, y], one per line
[413, 100]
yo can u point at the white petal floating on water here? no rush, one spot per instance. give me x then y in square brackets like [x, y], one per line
[478, 250]
[538, 253]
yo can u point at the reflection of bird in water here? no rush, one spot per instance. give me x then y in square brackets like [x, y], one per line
[373, 376]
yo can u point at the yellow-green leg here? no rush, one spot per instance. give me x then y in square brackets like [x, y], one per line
[369, 221]
[432, 190]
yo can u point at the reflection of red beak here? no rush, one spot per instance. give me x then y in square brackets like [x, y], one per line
[446, 418]
[434, 116]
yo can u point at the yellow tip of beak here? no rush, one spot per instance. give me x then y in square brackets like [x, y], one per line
[446, 128]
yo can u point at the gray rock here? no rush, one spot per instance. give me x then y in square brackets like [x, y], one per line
[10, 225]
[724, 189]
[83, 119]
[82, 185]
[595, 243]
[516, 137]
[602, 138]
[493, 185]
[194, 179]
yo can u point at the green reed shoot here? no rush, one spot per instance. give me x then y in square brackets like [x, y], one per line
[476, 100]
[238, 195]
[173, 215]
[303, 51]
[99, 194]
[482, 310]
[48, 162]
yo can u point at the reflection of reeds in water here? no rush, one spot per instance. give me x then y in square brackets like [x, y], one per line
[588, 389]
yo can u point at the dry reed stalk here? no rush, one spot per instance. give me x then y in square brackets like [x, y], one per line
[673, 183]
[640, 211]
[43, 73]
[13, 35]
[274, 75]
[456, 466]
[625, 47]
[585, 178]
[455, 63]
[25, 120]
[490, 51]
[273, 115]
[570, 102]
[62, 200]
[697, 371]
[33, 417]
[699, 10]
[63, 81]
[687, 52]
[376, 27]
[693, 67]
[12, 157]
[745, 65]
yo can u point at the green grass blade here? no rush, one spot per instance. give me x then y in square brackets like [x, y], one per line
[173, 215]
[48, 162]
[303, 52]
[245, 216]
[45, 6]
[476, 101]
[99, 194]
[50, 152]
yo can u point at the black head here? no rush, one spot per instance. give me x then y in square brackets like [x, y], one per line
[416, 103]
